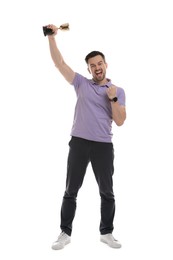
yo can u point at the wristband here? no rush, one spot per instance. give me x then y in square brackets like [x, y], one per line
[115, 99]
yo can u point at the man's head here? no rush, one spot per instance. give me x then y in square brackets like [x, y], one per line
[97, 66]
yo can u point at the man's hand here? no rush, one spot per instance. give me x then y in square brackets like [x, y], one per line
[111, 91]
[53, 28]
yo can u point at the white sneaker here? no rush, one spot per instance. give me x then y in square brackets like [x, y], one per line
[62, 241]
[110, 240]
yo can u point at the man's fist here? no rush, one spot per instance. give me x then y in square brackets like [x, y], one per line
[111, 91]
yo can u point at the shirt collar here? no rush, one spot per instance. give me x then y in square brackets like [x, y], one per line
[108, 84]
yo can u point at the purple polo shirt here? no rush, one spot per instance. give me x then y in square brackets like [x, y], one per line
[93, 113]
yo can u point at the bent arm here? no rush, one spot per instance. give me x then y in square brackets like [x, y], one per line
[118, 113]
[58, 60]
[118, 110]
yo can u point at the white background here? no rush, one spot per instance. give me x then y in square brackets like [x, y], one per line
[36, 113]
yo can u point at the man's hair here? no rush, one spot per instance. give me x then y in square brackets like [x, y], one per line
[93, 54]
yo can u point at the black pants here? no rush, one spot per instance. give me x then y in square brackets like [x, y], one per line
[101, 156]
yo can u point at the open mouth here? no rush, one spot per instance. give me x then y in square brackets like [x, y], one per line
[99, 73]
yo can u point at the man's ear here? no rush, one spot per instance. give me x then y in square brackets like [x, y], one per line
[89, 70]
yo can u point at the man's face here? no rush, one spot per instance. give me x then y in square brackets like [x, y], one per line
[97, 68]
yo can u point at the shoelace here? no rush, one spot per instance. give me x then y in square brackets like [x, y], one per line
[61, 236]
[112, 238]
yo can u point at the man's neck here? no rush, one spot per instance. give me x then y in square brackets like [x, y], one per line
[102, 82]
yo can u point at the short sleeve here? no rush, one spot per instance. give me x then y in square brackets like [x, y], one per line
[77, 80]
[121, 96]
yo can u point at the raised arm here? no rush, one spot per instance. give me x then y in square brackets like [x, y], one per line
[57, 58]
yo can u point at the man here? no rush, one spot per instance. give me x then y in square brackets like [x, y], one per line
[99, 103]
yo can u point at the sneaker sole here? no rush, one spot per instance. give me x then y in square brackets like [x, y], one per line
[60, 247]
[116, 246]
